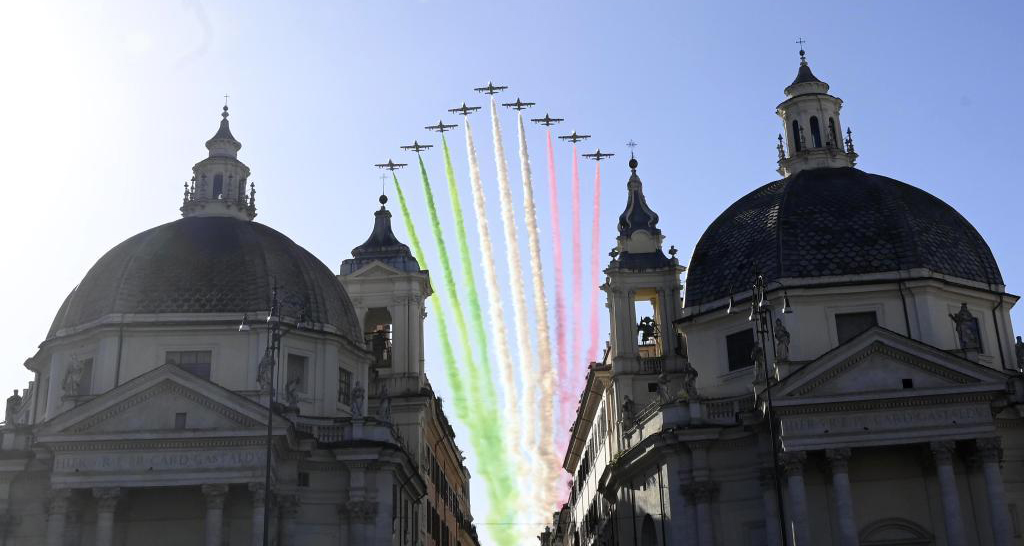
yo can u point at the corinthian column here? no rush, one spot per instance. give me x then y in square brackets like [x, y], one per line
[106, 504]
[794, 462]
[702, 493]
[838, 461]
[288, 505]
[56, 519]
[215, 495]
[771, 507]
[259, 497]
[943, 453]
[991, 453]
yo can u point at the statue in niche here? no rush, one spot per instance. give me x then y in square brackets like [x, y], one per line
[628, 411]
[689, 390]
[14, 402]
[966, 326]
[781, 341]
[264, 373]
[1019, 348]
[384, 410]
[357, 399]
[664, 393]
[72, 378]
[291, 391]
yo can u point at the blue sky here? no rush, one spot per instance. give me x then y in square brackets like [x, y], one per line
[107, 105]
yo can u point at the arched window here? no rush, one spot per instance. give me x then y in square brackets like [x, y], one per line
[648, 533]
[241, 190]
[815, 132]
[796, 136]
[378, 335]
[832, 133]
[218, 185]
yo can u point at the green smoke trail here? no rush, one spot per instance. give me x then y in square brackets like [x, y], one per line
[461, 410]
[469, 278]
[484, 432]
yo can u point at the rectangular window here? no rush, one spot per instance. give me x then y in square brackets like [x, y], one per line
[180, 420]
[194, 362]
[303, 479]
[297, 371]
[740, 347]
[344, 386]
[851, 325]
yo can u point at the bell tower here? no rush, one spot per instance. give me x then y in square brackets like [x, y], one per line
[643, 289]
[219, 182]
[388, 290]
[810, 119]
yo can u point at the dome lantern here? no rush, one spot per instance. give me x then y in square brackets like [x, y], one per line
[814, 133]
[219, 182]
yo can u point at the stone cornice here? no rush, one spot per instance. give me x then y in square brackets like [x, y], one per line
[886, 403]
[175, 443]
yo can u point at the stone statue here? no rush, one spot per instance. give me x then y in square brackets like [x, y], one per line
[757, 357]
[628, 411]
[781, 341]
[384, 410]
[291, 391]
[264, 374]
[689, 390]
[664, 394]
[357, 399]
[14, 402]
[1019, 348]
[966, 328]
[72, 379]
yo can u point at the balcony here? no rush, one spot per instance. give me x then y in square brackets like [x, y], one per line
[652, 364]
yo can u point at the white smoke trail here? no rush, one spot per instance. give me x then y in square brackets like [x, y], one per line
[549, 459]
[515, 271]
[496, 310]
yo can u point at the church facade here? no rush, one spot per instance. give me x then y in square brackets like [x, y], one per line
[211, 382]
[840, 369]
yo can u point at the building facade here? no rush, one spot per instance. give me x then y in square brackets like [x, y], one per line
[840, 369]
[196, 352]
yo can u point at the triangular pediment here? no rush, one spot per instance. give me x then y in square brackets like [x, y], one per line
[377, 269]
[880, 362]
[154, 403]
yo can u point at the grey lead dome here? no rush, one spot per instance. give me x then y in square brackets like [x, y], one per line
[833, 222]
[208, 265]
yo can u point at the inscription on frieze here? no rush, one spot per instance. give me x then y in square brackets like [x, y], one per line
[160, 461]
[885, 420]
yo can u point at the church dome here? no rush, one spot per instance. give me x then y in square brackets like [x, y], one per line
[210, 264]
[833, 222]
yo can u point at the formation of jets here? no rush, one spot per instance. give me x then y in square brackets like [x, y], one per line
[491, 89]
[518, 104]
[547, 120]
[417, 147]
[597, 156]
[390, 165]
[574, 138]
[464, 110]
[440, 127]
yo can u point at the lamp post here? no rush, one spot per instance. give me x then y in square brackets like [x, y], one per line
[762, 317]
[267, 374]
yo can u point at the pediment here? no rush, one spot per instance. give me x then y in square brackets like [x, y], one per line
[376, 269]
[881, 362]
[150, 404]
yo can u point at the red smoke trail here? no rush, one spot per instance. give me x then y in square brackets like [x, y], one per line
[564, 392]
[577, 274]
[595, 267]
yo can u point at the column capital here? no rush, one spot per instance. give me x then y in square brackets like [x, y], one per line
[358, 510]
[215, 494]
[106, 498]
[793, 462]
[259, 493]
[838, 460]
[943, 451]
[990, 449]
[58, 501]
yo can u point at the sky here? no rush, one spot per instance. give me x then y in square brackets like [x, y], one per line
[106, 106]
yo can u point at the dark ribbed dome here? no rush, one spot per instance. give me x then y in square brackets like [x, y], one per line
[827, 222]
[208, 265]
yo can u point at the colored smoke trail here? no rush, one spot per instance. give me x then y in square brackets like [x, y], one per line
[461, 410]
[496, 314]
[549, 458]
[564, 393]
[595, 267]
[577, 279]
[469, 277]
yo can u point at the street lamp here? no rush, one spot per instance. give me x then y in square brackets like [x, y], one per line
[761, 316]
[267, 375]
